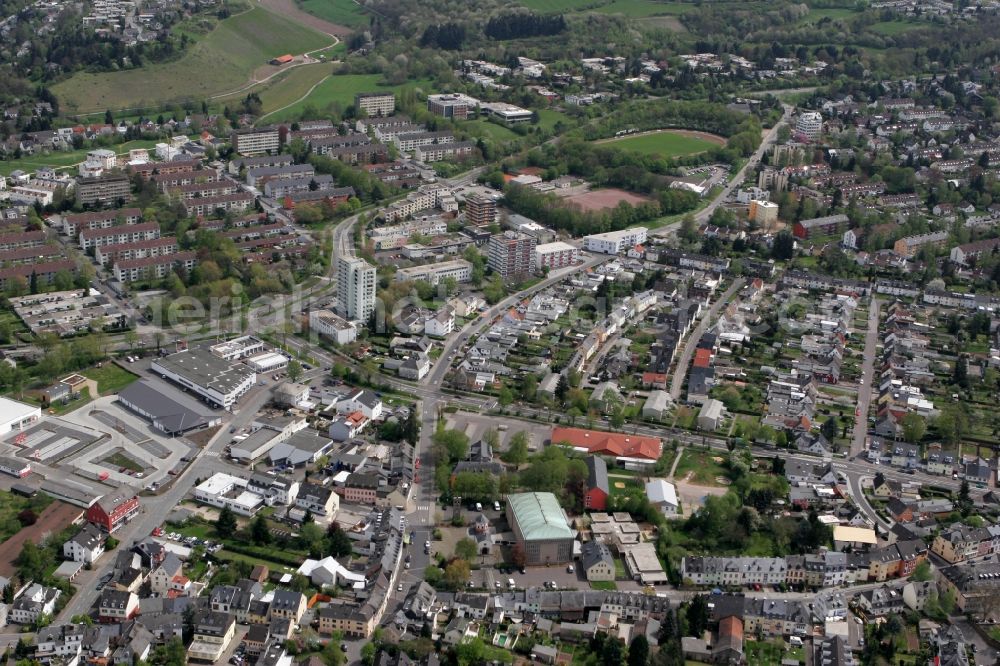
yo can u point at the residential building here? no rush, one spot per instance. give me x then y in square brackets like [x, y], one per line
[619, 445]
[155, 267]
[663, 495]
[117, 235]
[615, 242]
[711, 415]
[910, 245]
[480, 210]
[821, 226]
[289, 605]
[111, 511]
[318, 499]
[555, 255]
[85, 546]
[375, 104]
[356, 284]
[512, 254]
[458, 269]
[764, 213]
[809, 125]
[35, 601]
[331, 325]
[256, 141]
[596, 562]
[213, 632]
[116, 606]
[103, 190]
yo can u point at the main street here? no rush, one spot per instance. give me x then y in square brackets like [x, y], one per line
[866, 383]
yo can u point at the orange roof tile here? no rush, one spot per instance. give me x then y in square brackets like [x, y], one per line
[610, 443]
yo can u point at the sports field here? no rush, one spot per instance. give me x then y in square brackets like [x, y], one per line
[340, 90]
[668, 143]
[343, 12]
[605, 199]
[223, 60]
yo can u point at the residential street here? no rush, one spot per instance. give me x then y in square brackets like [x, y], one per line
[865, 386]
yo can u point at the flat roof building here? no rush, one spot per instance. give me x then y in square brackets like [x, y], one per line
[459, 269]
[16, 415]
[216, 380]
[170, 414]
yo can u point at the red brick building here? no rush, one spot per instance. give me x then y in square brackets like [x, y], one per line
[595, 498]
[115, 509]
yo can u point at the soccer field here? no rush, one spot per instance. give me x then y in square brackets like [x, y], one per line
[668, 143]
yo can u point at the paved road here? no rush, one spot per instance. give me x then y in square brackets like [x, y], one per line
[684, 362]
[441, 365]
[867, 377]
[155, 509]
[701, 216]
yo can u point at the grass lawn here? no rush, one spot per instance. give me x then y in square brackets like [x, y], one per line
[603, 585]
[558, 6]
[492, 130]
[120, 460]
[283, 89]
[645, 8]
[79, 401]
[342, 12]
[891, 28]
[622, 486]
[620, 569]
[667, 144]
[228, 555]
[834, 13]
[11, 505]
[547, 119]
[110, 378]
[703, 467]
[341, 90]
[61, 159]
[222, 60]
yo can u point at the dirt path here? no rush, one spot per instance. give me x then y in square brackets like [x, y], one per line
[289, 9]
[291, 104]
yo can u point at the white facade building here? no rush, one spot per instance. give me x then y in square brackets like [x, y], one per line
[615, 242]
[356, 282]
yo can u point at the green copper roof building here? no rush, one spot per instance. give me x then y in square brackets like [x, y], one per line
[540, 527]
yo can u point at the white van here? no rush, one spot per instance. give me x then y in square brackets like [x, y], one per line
[510, 583]
[479, 506]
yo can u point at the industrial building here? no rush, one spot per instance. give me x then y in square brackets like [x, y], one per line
[216, 380]
[167, 410]
[16, 415]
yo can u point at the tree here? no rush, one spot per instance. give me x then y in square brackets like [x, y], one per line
[453, 442]
[260, 533]
[456, 574]
[294, 370]
[517, 556]
[638, 651]
[964, 499]
[225, 526]
[33, 562]
[368, 651]
[338, 543]
[465, 548]
[8, 594]
[830, 428]
[517, 452]
[914, 427]
[696, 615]
[613, 651]
[171, 654]
[783, 247]
[922, 572]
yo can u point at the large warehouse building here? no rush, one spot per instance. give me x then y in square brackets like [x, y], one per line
[540, 528]
[216, 380]
[168, 410]
[16, 415]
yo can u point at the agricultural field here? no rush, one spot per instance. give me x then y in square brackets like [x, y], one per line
[225, 59]
[668, 143]
[342, 12]
[341, 90]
